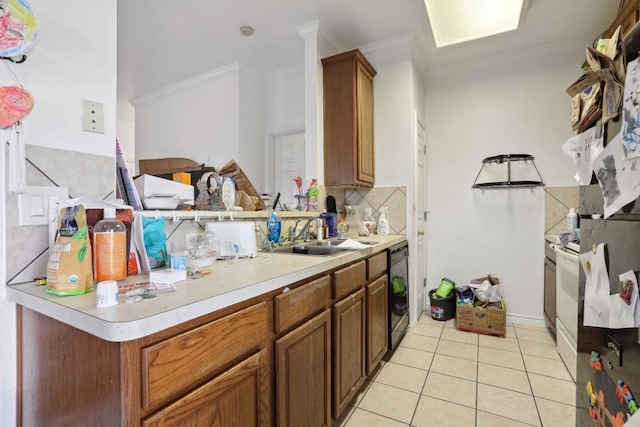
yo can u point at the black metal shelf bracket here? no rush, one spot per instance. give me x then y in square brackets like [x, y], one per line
[507, 159]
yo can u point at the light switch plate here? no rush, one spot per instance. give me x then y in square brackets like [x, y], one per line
[34, 205]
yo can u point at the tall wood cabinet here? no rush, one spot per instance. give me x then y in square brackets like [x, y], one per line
[348, 120]
[627, 17]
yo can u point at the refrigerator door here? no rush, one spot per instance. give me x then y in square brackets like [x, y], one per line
[619, 348]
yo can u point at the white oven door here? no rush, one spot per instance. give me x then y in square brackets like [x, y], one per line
[567, 268]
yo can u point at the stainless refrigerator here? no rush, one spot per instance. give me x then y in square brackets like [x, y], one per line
[618, 348]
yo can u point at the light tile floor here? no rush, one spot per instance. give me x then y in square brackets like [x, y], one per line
[440, 376]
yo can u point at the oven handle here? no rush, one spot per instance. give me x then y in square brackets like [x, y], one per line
[559, 250]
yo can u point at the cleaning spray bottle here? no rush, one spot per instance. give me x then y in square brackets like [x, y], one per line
[383, 223]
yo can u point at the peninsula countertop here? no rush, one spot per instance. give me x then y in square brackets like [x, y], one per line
[230, 282]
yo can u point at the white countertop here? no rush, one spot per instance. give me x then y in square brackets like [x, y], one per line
[230, 282]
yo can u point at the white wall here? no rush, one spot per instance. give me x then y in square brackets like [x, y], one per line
[285, 99]
[252, 126]
[512, 104]
[392, 114]
[197, 119]
[284, 113]
[126, 131]
[74, 59]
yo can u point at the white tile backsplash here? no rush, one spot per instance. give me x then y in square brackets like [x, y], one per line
[84, 175]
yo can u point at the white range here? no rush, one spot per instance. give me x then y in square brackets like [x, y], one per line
[567, 269]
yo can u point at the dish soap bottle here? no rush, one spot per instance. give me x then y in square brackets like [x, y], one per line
[383, 223]
[273, 228]
[110, 247]
[572, 221]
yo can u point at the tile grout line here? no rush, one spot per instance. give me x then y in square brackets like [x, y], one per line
[427, 377]
[535, 403]
[428, 371]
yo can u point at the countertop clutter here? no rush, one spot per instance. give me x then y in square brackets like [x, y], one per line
[230, 282]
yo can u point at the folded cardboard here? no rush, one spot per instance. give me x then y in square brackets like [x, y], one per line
[167, 165]
[149, 186]
[482, 318]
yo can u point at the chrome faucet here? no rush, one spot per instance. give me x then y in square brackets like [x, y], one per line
[304, 233]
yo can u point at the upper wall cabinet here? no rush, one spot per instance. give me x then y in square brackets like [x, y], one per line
[628, 16]
[348, 120]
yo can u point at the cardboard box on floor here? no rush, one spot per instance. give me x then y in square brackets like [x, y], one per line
[482, 320]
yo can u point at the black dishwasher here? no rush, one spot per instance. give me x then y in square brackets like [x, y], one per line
[398, 257]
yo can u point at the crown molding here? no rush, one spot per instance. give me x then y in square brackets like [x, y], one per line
[224, 72]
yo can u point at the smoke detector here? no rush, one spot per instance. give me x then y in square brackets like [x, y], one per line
[246, 30]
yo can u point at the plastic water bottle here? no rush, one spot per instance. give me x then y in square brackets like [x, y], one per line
[572, 221]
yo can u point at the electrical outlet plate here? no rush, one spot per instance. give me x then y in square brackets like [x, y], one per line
[92, 116]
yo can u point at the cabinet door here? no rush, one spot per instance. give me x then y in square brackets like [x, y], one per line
[348, 120]
[348, 349]
[303, 373]
[168, 366]
[239, 397]
[365, 144]
[550, 292]
[377, 331]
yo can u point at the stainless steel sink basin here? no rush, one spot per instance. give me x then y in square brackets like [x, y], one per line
[319, 247]
[310, 249]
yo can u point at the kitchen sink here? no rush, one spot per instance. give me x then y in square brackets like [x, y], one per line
[321, 247]
[310, 249]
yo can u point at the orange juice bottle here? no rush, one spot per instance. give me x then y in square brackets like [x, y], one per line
[110, 248]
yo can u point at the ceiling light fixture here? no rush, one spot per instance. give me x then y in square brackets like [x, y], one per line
[246, 30]
[459, 21]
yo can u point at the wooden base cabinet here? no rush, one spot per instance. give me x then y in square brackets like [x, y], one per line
[238, 397]
[348, 349]
[377, 331]
[550, 287]
[303, 374]
[314, 343]
[215, 371]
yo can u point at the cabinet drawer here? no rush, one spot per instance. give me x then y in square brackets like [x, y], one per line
[297, 305]
[239, 397]
[349, 279]
[376, 265]
[176, 365]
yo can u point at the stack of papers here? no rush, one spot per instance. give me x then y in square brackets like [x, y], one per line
[352, 244]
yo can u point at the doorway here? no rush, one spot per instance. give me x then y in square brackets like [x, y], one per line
[421, 214]
[288, 162]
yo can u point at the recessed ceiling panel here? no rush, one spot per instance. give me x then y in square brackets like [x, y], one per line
[459, 21]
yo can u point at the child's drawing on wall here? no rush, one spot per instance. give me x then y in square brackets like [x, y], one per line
[607, 177]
